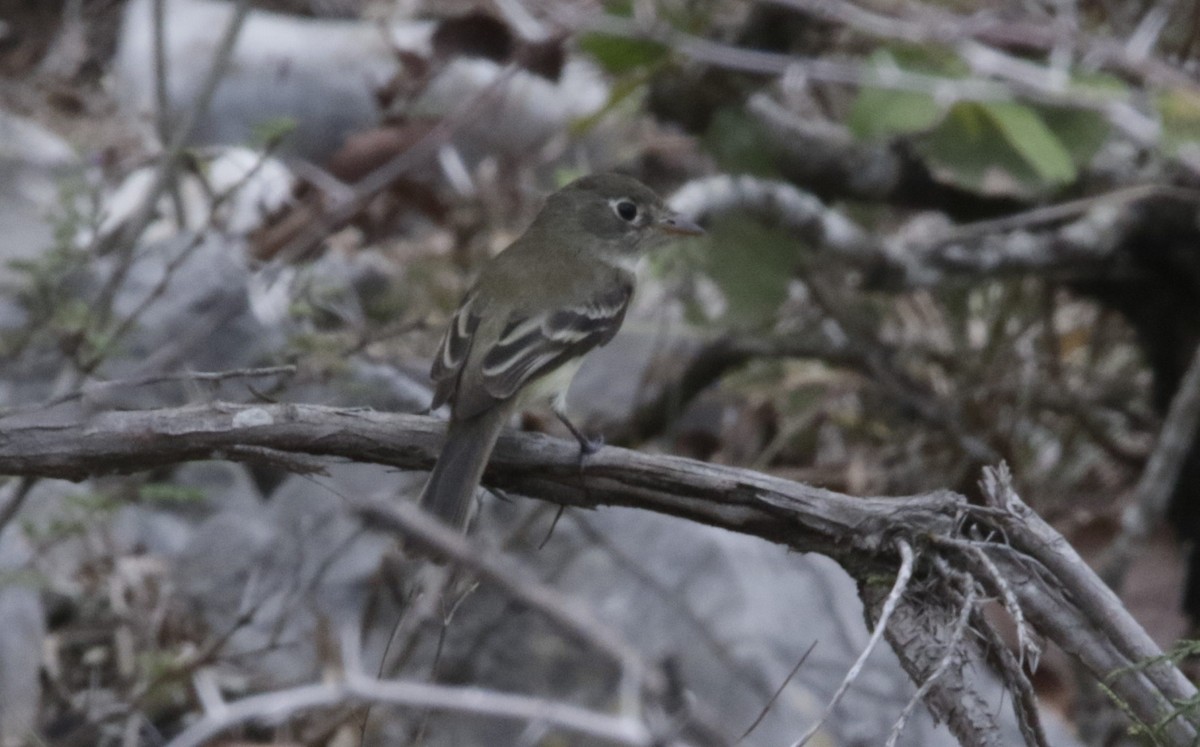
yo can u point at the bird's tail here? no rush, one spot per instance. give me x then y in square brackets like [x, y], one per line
[451, 486]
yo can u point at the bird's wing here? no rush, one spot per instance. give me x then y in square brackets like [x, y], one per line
[527, 347]
[453, 352]
[531, 346]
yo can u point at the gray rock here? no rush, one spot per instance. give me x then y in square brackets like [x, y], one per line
[284, 574]
[319, 74]
[22, 630]
[322, 75]
[32, 160]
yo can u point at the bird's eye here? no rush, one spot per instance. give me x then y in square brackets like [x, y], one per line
[626, 210]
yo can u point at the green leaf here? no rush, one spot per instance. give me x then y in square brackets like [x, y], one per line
[622, 8]
[1029, 136]
[1180, 112]
[752, 264]
[738, 143]
[879, 113]
[620, 54]
[996, 151]
[1080, 131]
[168, 493]
[270, 132]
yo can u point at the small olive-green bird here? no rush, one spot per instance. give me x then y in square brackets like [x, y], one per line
[520, 332]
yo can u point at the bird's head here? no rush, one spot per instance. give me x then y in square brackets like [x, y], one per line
[615, 214]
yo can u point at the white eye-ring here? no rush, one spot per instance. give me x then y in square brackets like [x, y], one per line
[625, 209]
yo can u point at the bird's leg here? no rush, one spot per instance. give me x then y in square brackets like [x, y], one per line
[587, 446]
[554, 523]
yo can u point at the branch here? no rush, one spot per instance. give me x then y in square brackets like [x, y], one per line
[952, 654]
[1072, 241]
[277, 706]
[931, 24]
[125, 236]
[529, 464]
[925, 625]
[92, 390]
[1033, 82]
[1060, 596]
[715, 358]
[408, 521]
[825, 156]
[1158, 480]
[889, 607]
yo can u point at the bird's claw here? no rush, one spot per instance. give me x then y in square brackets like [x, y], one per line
[589, 446]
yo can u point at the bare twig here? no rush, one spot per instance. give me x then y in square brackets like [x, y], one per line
[277, 706]
[1029, 650]
[406, 520]
[98, 389]
[168, 162]
[427, 146]
[775, 696]
[161, 99]
[925, 23]
[714, 359]
[1035, 549]
[294, 463]
[953, 651]
[889, 606]
[17, 498]
[1025, 701]
[1157, 482]
[125, 237]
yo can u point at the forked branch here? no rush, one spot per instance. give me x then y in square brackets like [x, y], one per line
[1058, 596]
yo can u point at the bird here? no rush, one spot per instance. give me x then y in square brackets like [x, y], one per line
[558, 291]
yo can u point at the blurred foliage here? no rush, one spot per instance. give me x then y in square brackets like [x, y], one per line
[1180, 111]
[880, 111]
[737, 142]
[619, 55]
[989, 147]
[167, 493]
[271, 132]
[752, 264]
[997, 148]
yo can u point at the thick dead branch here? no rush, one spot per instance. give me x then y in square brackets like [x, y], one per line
[954, 649]
[1030, 538]
[1060, 596]
[924, 626]
[1071, 242]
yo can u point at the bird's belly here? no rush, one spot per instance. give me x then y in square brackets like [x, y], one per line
[550, 389]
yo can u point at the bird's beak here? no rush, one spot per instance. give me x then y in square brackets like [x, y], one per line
[674, 223]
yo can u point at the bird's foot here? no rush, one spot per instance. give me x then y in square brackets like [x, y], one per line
[587, 446]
